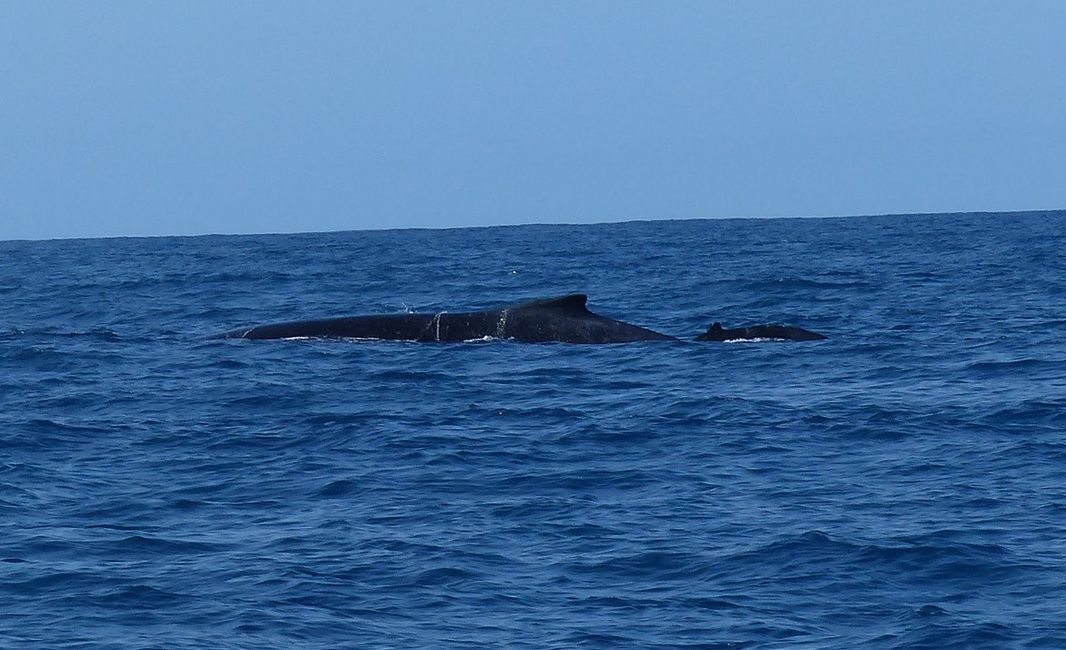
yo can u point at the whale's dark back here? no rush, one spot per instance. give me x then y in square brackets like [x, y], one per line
[395, 327]
[568, 319]
[565, 319]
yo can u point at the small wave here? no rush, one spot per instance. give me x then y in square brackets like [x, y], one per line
[1013, 365]
[1050, 413]
[53, 427]
[801, 283]
[36, 353]
[339, 488]
[622, 479]
[531, 413]
[102, 334]
[44, 434]
[98, 334]
[949, 632]
[938, 559]
[1015, 368]
[658, 566]
[711, 604]
[416, 376]
[928, 611]
[813, 543]
[230, 364]
[141, 597]
[158, 546]
[58, 582]
[186, 505]
[444, 576]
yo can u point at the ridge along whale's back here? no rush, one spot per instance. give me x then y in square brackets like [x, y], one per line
[564, 319]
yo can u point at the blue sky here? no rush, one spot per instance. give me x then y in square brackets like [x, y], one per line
[154, 118]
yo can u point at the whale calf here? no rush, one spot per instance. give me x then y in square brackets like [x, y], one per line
[779, 332]
[565, 319]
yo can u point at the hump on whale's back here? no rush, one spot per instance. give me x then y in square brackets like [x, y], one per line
[574, 304]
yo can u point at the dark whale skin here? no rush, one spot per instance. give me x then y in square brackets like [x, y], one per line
[565, 319]
[779, 332]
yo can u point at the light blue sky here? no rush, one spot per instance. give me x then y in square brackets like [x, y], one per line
[150, 118]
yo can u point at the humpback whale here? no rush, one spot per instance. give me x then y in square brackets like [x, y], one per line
[783, 332]
[566, 319]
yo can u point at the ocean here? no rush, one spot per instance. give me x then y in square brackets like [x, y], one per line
[899, 485]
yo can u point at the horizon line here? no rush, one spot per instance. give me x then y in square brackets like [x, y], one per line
[547, 223]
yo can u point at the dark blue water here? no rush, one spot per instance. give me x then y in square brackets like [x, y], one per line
[902, 484]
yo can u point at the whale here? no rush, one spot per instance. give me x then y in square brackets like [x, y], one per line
[759, 332]
[564, 319]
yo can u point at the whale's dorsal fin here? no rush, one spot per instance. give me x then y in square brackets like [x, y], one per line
[572, 303]
[578, 301]
[715, 332]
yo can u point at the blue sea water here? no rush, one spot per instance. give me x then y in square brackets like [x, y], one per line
[902, 484]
